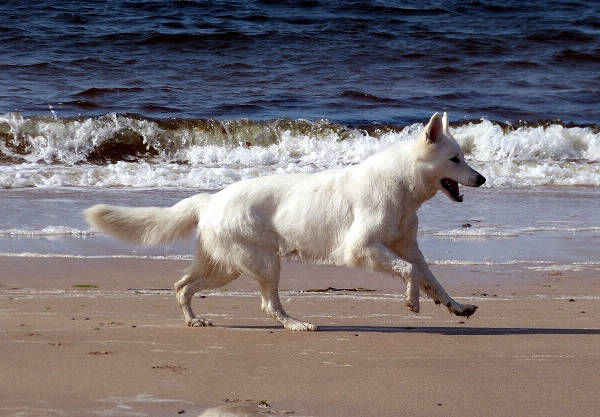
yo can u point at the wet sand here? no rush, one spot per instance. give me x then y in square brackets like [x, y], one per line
[105, 337]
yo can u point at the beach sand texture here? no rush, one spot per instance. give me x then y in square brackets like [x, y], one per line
[105, 337]
[145, 103]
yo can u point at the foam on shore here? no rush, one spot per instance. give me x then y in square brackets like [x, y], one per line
[132, 151]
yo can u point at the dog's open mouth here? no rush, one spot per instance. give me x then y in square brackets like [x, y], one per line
[451, 187]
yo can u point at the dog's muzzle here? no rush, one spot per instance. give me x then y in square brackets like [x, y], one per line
[480, 180]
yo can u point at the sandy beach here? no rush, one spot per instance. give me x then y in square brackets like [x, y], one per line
[105, 337]
[138, 103]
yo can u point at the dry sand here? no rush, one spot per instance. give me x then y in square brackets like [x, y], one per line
[532, 349]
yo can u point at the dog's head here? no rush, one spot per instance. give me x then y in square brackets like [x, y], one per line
[444, 161]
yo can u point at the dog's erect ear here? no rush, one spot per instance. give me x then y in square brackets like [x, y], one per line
[445, 122]
[434, 129]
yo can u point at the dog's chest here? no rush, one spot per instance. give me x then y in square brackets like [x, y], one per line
[404, 225]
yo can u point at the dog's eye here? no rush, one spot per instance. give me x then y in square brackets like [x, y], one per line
[455, 159]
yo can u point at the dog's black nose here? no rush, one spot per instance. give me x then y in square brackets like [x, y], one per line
[480, 180]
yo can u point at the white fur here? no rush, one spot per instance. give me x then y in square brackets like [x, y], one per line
[359, 216]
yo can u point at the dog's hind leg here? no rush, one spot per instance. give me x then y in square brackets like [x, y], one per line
[185, 289]
[265, 268]
[202, 275]
[270, 304]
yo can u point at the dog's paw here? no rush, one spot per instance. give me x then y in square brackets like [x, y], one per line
[199, 322]
[300, 326]
[465, 310]
[412, 306]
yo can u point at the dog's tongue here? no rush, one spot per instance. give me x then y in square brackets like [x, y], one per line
[452, 187]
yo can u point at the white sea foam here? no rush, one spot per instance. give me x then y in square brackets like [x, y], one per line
[462, 262]
[75, 256]
[557, 268]
[56, 152]
[529, 156]
[455, 262]
[563, 229]
[47, 231]
[486, 141]
[502, 231]
[478, 233]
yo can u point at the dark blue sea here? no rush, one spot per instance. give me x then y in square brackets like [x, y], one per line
[352, 62]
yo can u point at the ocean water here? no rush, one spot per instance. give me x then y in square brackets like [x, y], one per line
[145, 103]
[346, 61]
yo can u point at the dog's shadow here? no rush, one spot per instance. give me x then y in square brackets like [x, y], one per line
[447, 331]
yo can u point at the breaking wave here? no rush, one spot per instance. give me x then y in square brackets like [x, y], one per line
[134, 151]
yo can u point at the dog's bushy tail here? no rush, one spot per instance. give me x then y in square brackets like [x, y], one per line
[148, 225]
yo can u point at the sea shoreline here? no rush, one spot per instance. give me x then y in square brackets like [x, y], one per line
[551, 225]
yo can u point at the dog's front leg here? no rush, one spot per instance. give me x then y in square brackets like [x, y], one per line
[412, 267]
[380, 258]
[433, 288]
[411, 299]
[407, 272]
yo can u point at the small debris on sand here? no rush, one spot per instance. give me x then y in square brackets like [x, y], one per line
[111, 323]
[263, 404]
[173, 368]
[333, 289]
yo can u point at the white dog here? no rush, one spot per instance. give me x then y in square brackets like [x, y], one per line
[359, 216]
